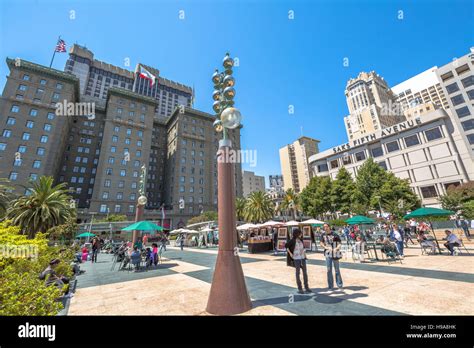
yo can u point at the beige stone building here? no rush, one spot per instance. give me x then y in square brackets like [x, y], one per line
[252, 183]
[294, 162]
[372, 105]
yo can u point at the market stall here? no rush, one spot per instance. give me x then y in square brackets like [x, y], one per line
[259, 240]
[308, 234]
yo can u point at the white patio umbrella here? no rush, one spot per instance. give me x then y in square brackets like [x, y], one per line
[270, 223]
[292, 223]
[312, 222]
[207, 229]
[245, 227]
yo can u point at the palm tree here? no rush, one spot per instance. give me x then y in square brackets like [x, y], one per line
[258, 208]
[46, 206]
[239, 208]
[5, 196]
[290, 202]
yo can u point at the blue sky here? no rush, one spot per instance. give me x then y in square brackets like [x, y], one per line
[283, 61]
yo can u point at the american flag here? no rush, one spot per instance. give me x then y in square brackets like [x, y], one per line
[61, 46]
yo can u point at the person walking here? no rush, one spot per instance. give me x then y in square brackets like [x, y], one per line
[296, 256]
[181, 242]
[465, 228]
[95, 249]
[331, 243]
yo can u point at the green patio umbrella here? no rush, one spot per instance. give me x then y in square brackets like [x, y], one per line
[360, 220]
[143, 226]
[85, 234]
[427, 212]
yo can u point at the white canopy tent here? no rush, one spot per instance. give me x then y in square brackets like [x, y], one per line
[270, 223]
[292, 223]
[246, 227]
[312, 222]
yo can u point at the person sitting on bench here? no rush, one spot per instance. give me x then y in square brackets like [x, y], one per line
[451, 241]
[425, 242]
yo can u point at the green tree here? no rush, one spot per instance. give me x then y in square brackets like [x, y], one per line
[258, 208]
[370, 178]
[239, 208]
[396, 196]
[114, 218]
[45, 207]
[290, 203]
[316, 196]
[205, 216]
[342, 191]
[64, 232]
[459, 198]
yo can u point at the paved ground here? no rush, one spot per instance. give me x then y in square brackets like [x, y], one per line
[422, 285]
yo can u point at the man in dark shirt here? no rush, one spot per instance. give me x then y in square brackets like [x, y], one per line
[331, 244]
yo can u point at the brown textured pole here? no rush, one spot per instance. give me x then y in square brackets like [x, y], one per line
[228, 293]
[138, 217]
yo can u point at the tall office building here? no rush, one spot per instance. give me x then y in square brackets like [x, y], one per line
[372, 105]
[294, 162]
[276, 182]
[252, 183]
[96, 77]
[98, 145]
[421, 89]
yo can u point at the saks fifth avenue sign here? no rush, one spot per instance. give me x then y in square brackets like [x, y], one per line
[383, 133]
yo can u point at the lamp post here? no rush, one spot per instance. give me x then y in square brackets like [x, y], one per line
[141, 202]
[380, 206]
[228, 293]
[92, 213]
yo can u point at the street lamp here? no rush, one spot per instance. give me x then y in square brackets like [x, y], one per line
[141, 202]
[380, 206]
[228, 293]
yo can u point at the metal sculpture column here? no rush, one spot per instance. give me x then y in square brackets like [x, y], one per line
[228, 293]
[141, 202]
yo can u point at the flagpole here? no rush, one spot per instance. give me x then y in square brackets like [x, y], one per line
[54, 53]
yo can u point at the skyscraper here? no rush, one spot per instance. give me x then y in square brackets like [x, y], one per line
[252, 183]
[294, 162]
[372, 105]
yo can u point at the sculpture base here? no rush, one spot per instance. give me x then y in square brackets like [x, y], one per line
[228, 294]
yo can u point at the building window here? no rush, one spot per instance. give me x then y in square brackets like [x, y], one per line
[107, 183]
[458, 99]
[33, 112]
[360, 156]
[26, 77]
[44, 139]
[377, 152]
[452, 88]
[121, 184]
[103, 208]
[17, 162]
[15, 109]
[470, 94]
[468, 125]
[392, 146]
[11, 121]
[3, 146]
[428, 192]
[43, 82]
[470, 138]
[122, 172]
[26, 136]
[334, 164]
[113, 149]
[412, 140]
[13, 176]
[40, 151]
[59, 86]
[114, 138]
[117, 208]
[37, 164]
[383, 165]
[47, 127]
[463, 112]
[433, 134]
[33, 177]
[468, 81]
[119, 196]
[51, 115]
[105, 195]
[111, 160]
[22, 149]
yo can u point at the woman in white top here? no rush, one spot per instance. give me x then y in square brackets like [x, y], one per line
[296, 257]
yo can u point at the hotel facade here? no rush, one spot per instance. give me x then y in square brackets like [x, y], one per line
[99, 153]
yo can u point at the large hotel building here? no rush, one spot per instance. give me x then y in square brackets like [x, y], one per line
[110, 124]
[431, 145]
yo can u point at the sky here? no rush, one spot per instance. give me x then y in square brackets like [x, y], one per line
[291, 54]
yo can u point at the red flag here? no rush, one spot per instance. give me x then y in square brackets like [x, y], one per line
[60, 46]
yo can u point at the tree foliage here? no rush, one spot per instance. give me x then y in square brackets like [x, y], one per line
[342, 191]
[316, 197]
[45, 207]
[460, 199]
[290, 203]
[258, 207]
[205, 216]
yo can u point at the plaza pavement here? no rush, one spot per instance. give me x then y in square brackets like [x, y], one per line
[421, 285]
